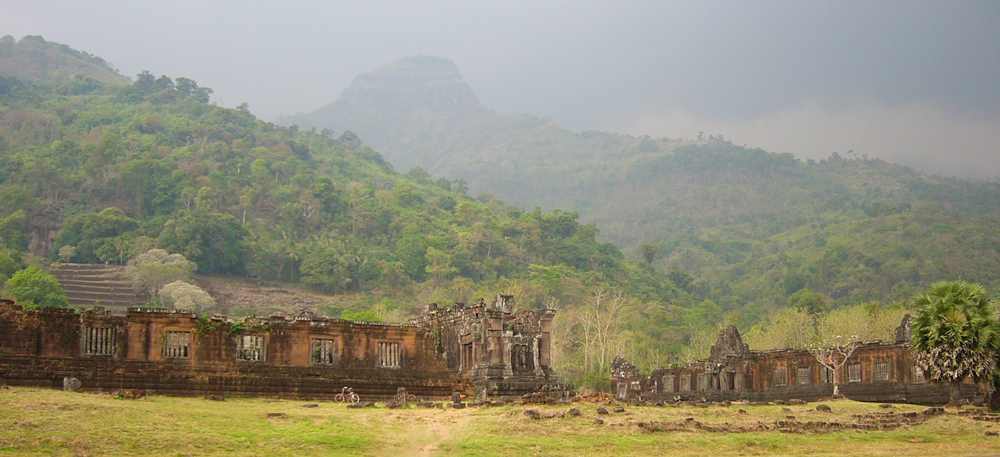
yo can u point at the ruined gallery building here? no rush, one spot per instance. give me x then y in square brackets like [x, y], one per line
[876, 371]
[485, 349]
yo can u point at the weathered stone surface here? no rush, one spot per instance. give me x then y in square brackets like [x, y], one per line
[533, 413]
[202, 357]
[574, 412]
[729, 344]
[599, 421]
[311, 405]
[824, 408]
[602, 410]
[904, 332]
[71, 384]
[733, 372]
[619, 409]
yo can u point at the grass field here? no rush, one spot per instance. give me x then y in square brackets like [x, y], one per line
[50, 422]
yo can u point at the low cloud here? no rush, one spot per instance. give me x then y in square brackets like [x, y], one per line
[918, 135]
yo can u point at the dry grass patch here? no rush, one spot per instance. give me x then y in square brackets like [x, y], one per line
[49, 422]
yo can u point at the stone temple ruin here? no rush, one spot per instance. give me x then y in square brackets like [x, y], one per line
[876, 372]
[497, 351]
[485, 349]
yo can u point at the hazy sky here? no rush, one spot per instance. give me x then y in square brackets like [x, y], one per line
[908, 81]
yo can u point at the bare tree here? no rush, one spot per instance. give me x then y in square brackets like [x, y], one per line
[834, 356]
[603, 322]
[841, 331]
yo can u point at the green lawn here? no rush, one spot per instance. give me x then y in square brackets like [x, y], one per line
[50, 422]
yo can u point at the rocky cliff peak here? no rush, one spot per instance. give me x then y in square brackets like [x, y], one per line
[412, 84]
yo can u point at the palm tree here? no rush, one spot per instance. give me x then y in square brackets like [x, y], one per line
[956, 334]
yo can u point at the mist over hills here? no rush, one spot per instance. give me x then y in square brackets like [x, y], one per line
[100, 173]
[34, 59]
[731, 234]
[751, 226]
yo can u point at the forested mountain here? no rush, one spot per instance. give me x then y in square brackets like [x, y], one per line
[750, 227]
[114, 171]
[34, 59]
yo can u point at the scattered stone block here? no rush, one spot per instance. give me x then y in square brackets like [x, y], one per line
[599, 421]
[276, 414]
[992, 433]
[71, 384]
[458, 405]
[311, 405]
[574, 412]
[824, 408]
[602, 410]
[796, 402]
[619, 409]
[885, 406]
[401, 397]
[533, 413]
[933, 411]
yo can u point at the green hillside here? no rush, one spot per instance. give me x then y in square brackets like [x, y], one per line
[114, 171]
[749, 227]
[34, 59]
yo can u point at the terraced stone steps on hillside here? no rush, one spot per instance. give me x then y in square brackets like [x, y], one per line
[86, 285]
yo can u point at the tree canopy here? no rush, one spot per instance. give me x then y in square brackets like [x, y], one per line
[32, 286]
[956, 334]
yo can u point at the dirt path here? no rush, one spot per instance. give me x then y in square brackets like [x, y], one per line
[437, 426]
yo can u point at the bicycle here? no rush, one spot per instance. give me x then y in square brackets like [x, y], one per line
[351, 397]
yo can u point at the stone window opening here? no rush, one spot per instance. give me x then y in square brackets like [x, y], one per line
[917, 375]
[668, 384]
[622, 390]
[324, 352]
[880, 370]
[467, 354]
[803, 376]
[731, 380]
[854, 373]
[521, 358]
[780, 377]
[826, 375]
[389, 354]
[250, 348]
[99, 341]
[176, 344]
[685, 382]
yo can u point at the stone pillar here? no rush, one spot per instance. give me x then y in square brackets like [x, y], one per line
[508, 370]
[535, 359]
